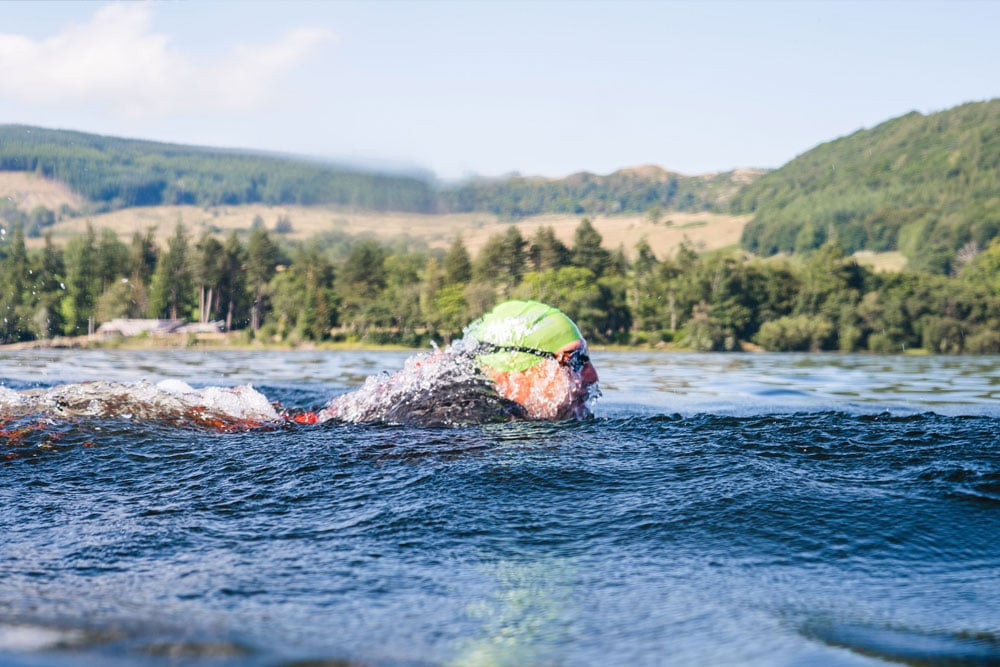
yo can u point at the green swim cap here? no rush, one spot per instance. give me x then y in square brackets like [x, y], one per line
[522, 324]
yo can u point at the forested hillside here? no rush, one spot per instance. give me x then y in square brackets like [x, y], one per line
[926, 185]
[116, 173]
[639, 190]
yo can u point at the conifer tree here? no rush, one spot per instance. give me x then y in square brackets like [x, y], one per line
[208, 268]
[261, 260]
[232, 279]
[501, 260]
[457, 263]
[81, 283]
[142, 256]
[50, 273]
[546, 251]
[172, 289]
[13, 279]
[587, 250]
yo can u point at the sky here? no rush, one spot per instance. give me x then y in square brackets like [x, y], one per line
[471, 88]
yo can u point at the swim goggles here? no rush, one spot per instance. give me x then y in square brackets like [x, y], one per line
[575, 360]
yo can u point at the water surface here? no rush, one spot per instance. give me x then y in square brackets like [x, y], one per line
[722, 509]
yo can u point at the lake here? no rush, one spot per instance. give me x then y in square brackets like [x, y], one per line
[721, 509]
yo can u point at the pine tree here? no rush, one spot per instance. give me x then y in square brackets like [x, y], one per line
[172, 290]
[208, 275]
[501, 260]
[546, 251]
[457, 263]
[142, 256]
[232, 283]
[81, 283]
[13, 324]
[587, 250]
[50, 273]
[261, 260]
[112, 259]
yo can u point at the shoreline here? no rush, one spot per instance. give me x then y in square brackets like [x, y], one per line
[238, 341]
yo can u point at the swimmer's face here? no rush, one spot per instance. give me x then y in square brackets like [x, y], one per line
[556, 388]
[574, 357]
[574, 361]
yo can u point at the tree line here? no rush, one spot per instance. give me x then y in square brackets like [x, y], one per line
[118, 173]
[361, 289]
[924, 185]
[646, 190]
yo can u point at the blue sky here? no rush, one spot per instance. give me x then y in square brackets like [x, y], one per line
[488, 88]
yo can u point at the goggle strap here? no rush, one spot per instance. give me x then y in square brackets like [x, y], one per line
[491, 348]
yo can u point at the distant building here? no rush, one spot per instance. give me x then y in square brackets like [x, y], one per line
[201, 328]
[129, 328]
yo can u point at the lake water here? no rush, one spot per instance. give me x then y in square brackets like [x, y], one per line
[721, 509]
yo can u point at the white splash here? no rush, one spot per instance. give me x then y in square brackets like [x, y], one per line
[170, 400]
[422, 375]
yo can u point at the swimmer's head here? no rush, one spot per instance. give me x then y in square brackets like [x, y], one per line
[537, 357]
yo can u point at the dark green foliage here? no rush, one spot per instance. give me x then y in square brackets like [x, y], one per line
[925, 185]
[501, 260]
[587, 250]
[81, 283]
[341, 288]
[260, 265]
[799, 333]
[171, 291]
[116, 173]
[364, 271]
[304, 301]
[625, 191]
[112, 259]
[233, 297]
[546, 251]
[39, 219]
[15, 321]
[457, 264]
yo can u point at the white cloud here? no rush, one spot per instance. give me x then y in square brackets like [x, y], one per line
[116, 62]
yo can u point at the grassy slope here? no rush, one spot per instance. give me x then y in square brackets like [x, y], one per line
[26, 190]
[705, 231]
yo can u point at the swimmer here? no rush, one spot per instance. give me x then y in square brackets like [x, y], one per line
[537, 358]
[522, 360]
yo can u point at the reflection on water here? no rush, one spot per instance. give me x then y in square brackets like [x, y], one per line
[525, 619]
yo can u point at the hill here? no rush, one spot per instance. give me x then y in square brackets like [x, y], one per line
[926, 185]
[648, 189]
[114, 173]
[27, 191]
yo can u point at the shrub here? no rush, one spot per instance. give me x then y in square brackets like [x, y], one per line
[705, 333]
[944, 335]
[985, 341]
[799, 333]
